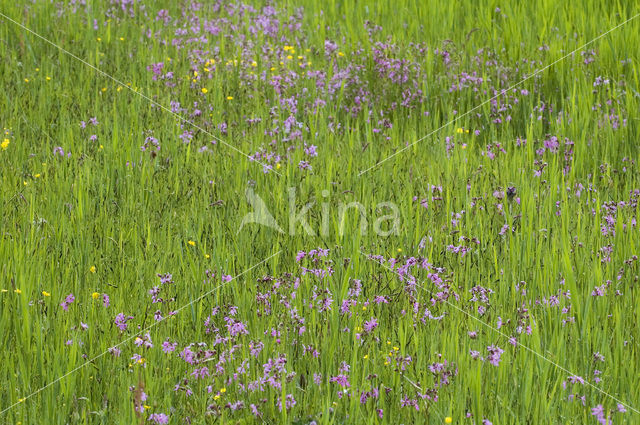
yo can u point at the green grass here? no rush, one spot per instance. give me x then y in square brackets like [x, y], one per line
[130, 214]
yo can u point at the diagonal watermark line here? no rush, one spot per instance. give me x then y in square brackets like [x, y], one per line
[153, 102]
[502, 92]
[507, 336]
[22, 400]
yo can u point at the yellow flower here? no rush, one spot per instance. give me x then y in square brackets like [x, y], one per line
[121, 38]
[141, 360]
[395, 348]
[448, 420]
[340, 54]
[36, 175]
[217, 396]
[48, 78]
[399, 249]
[92, 269]
[26, 80]
[204, 90]
[254, 64]
[289, 57]
[278, 165]
[192, 243]
[99, 39]
[95, 295]
[46, 294]
[4, 290]
[5, 144]
[366, 356]
[229, 97]
[17, 291]
[223, 390]
[37, 69]
[104, 89]
[460, 130]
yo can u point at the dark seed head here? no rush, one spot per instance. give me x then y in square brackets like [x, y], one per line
[511, 191]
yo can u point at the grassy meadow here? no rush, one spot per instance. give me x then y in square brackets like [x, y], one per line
[452, 189]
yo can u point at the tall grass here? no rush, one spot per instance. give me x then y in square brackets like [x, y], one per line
[558, 256]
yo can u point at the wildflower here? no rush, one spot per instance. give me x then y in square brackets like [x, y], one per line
[17, 291]
[341, 380]
[204, 90]
[159, 418]
[121, 321]
[92, 269]
[95, 295]
[494, 354]
[192, 243]
[46, 294]
[67, 301]
[448, 420]
[370, 325]
[5, 144]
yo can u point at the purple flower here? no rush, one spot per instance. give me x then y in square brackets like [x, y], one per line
[121, 321]
[494, 354]
[370, 325]
[289, 402]
[159, 418]
[598, 412]
[341, 380]
[168, 347]
[67, 301]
